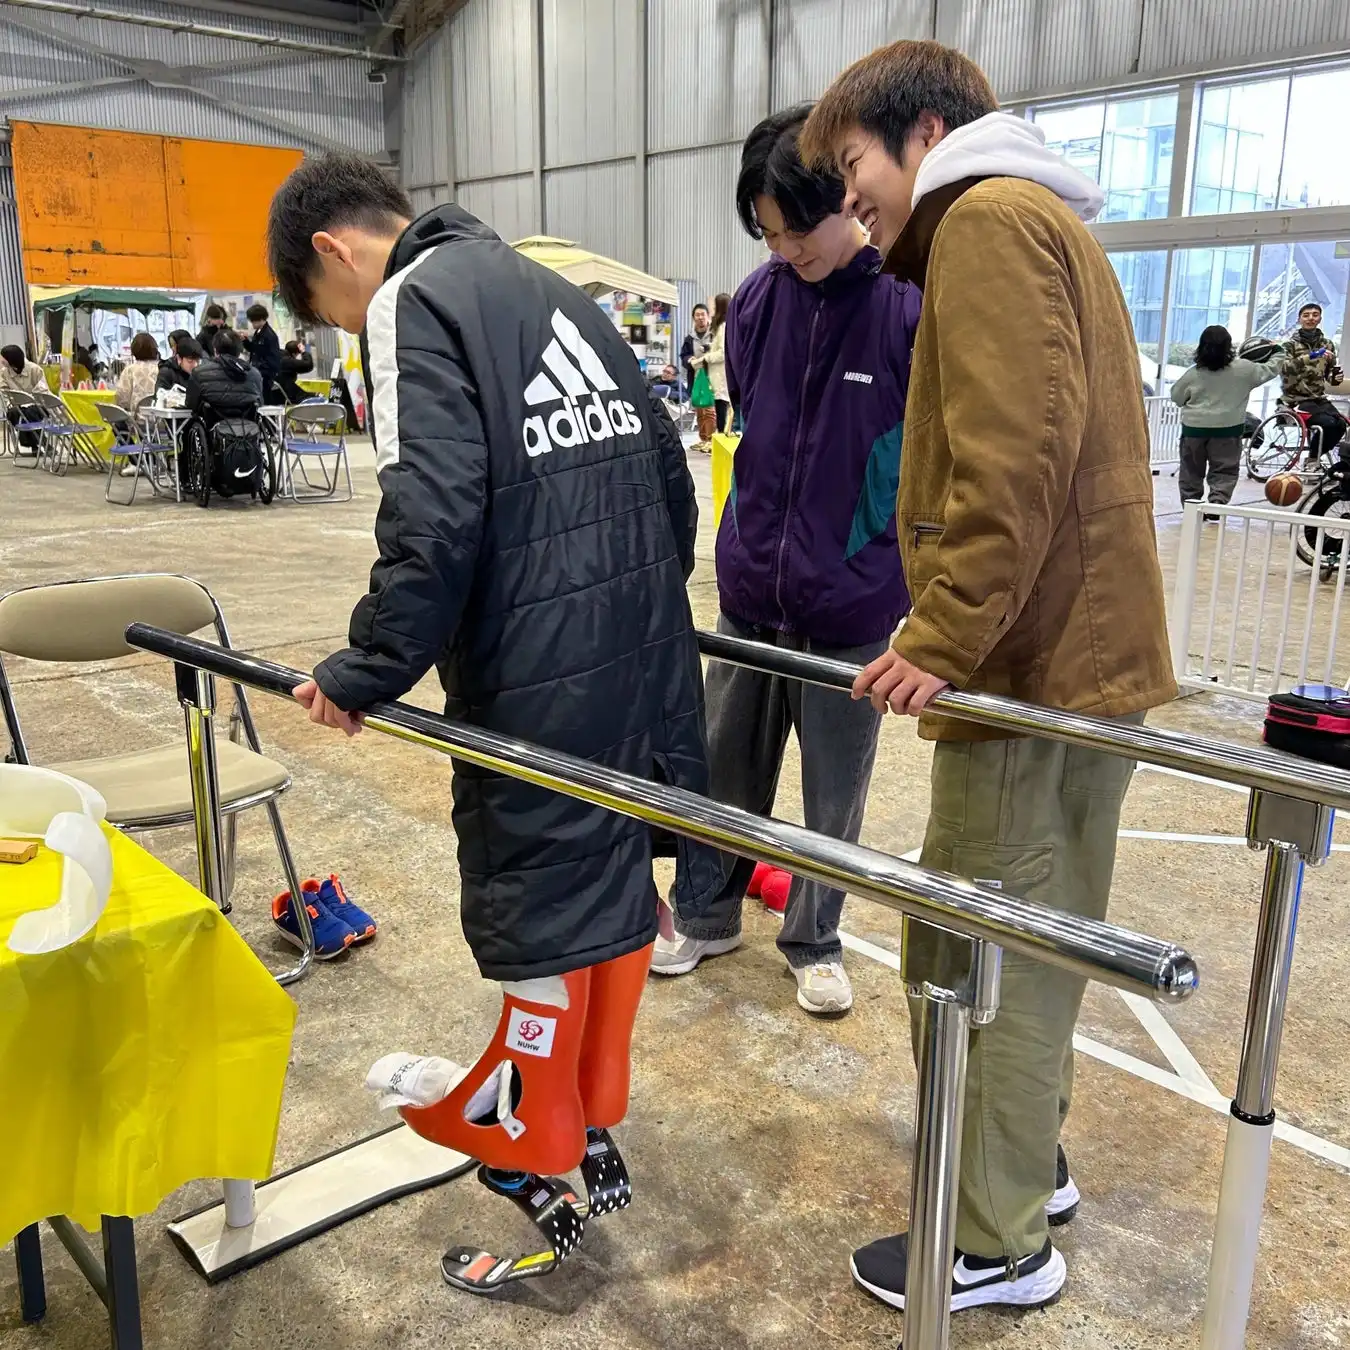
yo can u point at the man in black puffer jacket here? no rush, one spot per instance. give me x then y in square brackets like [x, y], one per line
[536, 528]
[224, 386]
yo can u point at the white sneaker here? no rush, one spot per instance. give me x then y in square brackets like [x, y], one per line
[824, 988]
[679, 955]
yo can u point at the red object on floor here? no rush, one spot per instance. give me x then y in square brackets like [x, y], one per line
[774, 891]
[757, 878]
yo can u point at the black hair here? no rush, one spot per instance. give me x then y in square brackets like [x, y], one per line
[213, 311]
[721, 304]
[176, 337]
[1307, 305]
[189, 349]
[699, 306]
[256, 313]
[225, 344]
[326, 192]
[771, 166]
[888, 91]
[14, 357]
[1215, 348]
[292, 349]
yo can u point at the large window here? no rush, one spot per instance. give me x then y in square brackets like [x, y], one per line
[1272, 144]
[1141, 279]
[1123, 144]
[1209, 286]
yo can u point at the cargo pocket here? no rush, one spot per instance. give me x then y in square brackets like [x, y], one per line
[1093, 773]
[1016, 868]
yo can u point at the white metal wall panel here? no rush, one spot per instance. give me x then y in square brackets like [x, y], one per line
[13, 290]
[692, 229]
[507, 204]
[1202, 32]
[426, 117]
[706, 71]
[492, 87]
[813, 40]
[590, 80]
[597, 207]
[1035, 46]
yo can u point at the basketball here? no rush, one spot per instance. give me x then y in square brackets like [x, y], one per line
[1284, 489]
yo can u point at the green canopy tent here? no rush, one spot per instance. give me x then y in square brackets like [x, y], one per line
[105, 297]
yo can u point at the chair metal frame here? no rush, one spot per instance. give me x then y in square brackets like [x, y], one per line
[309, 420]
[138, 452]
[67, 436]
[241, 722]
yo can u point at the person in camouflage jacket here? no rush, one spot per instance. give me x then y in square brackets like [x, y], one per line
[1309, 367]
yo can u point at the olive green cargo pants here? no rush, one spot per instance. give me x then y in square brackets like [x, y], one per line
[1039, 818]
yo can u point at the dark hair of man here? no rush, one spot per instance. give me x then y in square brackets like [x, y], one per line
[144, 348]
[772, 167]
[256, 313]
[721, 303]
[887, 92]
[189, 349]
[326, 192]
[225, 344]
[699, 306]
[1215, 349]
[292, 348]
[1312, 304]
[213, 311]
[14, 358]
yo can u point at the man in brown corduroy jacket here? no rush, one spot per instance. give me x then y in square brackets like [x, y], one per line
[1026, 527]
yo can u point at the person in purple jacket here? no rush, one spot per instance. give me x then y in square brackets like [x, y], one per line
[817, 352]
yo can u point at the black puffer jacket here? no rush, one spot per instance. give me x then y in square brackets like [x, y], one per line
[535, 530]
[223, 387]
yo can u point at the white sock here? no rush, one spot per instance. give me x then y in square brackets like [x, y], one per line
[401, 1079]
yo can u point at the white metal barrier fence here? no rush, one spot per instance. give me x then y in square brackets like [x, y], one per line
[1164, 433]
[1249, 616]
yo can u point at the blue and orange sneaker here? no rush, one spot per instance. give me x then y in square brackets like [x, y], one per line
[332, 894]
[332, 936]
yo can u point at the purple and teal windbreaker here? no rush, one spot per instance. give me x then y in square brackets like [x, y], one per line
[820, 371]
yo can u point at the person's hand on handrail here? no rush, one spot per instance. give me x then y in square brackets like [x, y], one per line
[891, 681]
[323, 711]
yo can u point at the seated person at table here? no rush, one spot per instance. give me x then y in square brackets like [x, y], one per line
[176, 372]
[295, 361]
[20, 375]
[137, 381]
[224, 386]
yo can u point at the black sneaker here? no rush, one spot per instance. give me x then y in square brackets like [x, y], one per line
[1063, 1205]
[977, 1282]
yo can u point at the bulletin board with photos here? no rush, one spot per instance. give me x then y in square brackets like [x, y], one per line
[647, 326]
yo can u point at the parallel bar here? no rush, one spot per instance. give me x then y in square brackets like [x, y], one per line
[1088, 948]
[1249, 766]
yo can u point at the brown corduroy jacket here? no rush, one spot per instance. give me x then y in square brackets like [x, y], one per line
[1025, 508]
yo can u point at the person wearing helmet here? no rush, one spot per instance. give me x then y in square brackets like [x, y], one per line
[1212, 396]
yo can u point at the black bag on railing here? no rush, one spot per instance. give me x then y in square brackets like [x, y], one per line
[1312, 720]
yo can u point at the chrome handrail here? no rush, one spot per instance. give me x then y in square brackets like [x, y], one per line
[1085, 947]
[1248, 766]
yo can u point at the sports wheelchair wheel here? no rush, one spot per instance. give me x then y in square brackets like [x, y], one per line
[195, 465]
[1276, 445]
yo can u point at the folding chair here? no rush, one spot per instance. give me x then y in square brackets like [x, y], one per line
[67, 440]
[150, 788]
[11, 400]
[315, 431]
[148, 458]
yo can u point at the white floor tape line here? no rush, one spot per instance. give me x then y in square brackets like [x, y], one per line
[1193, 777]
[314, 1197]
[1174, 1050]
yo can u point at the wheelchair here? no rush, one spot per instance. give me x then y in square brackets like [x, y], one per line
[234, 457]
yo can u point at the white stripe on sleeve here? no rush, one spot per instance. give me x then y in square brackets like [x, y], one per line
[382, 340]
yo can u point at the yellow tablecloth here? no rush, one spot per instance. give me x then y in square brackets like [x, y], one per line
[723, 448]
[150, 1053]
[318, 388]
[83, 405]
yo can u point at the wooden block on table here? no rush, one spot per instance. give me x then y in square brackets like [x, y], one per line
[18, 850]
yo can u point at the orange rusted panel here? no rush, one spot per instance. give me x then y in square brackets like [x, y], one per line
[114, 208]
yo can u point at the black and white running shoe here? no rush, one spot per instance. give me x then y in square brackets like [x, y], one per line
[977, 1282]
[1063, 1205]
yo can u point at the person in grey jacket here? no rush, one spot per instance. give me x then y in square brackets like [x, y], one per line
[1212, 396]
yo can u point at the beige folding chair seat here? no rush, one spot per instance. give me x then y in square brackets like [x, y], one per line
[145, 789]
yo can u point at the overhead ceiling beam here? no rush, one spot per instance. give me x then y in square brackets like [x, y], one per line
[92, 11]
[391, 23]
[297, 17]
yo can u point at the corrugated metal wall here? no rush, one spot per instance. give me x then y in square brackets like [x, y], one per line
[712, 71]
[1192, 32]
[240, 91]
[598, 205]
[813, 40]
[427, 167]
[13, 293]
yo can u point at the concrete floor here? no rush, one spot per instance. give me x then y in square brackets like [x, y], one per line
[764, 1146]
